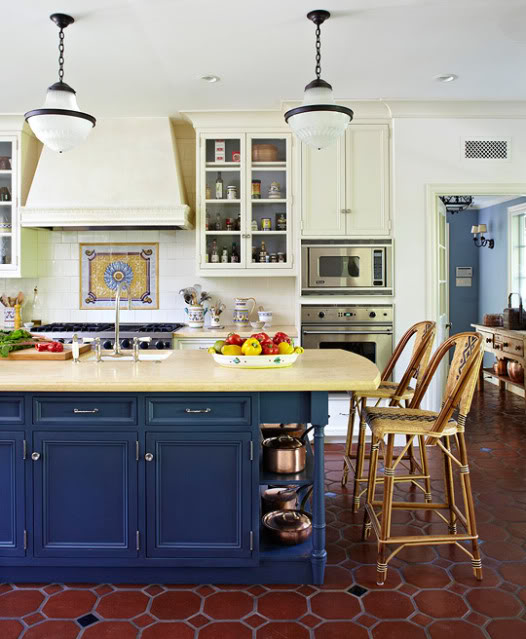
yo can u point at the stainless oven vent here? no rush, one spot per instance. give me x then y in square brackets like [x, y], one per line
[484, 149]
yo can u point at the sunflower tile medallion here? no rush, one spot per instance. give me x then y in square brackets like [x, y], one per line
[132, 266]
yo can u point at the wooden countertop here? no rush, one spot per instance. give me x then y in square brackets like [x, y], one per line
[192, 371]
[218, 333]
[501, 330]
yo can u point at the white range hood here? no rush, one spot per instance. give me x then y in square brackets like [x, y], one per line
[126, 175]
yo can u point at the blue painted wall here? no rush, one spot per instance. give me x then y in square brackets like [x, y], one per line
[463, 301]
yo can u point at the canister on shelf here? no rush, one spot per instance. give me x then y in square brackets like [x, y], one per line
[281, 222]
[208, 193]
[256, 189]
[281, 257]
[254, 225]
[229, 224]
[236, 156]
[273, 257]
[266, 224]
[274, 192]
[231, 192]
[219, 148]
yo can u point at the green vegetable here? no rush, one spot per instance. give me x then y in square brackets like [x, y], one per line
[14, 341]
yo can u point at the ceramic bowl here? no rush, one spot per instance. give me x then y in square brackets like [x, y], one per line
[257, 325]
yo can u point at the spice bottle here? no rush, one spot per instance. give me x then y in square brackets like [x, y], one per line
[219, 187]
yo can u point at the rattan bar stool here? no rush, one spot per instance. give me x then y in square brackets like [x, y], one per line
[424, 333]
[433, 429]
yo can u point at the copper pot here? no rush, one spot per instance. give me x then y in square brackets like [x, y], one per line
[515, 371]
[500, 367]
[272, 430]
[285, 454]
[280, 498]
[288, 527]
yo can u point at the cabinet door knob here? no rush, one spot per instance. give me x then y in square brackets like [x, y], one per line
[148, 457]
[35, 456]
[488, 340]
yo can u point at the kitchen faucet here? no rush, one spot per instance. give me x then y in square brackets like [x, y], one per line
[120, 287]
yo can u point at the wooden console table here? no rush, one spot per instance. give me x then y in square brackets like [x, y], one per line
[503, 343]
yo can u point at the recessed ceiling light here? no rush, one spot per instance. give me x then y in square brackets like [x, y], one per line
[446, 77]
[210, 78]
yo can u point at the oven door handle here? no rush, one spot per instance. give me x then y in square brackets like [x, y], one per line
[347, 333]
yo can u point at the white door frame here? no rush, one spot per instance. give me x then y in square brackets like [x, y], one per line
[518, 209]
[432, 192]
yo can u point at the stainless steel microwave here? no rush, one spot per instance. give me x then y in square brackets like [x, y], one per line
[343, 267]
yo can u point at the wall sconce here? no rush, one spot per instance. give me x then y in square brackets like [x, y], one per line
[481, 240]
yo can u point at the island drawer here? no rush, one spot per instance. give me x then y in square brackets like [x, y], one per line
[189, 410]
[487, 339]
[84, 409]
[11, 410]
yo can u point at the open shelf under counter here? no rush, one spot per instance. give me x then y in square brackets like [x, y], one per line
[280, 552]
[503, 378]
[293, 479]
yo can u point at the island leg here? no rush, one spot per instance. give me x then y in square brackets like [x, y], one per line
[319, 554]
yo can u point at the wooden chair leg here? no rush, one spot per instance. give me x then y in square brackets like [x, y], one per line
[469, 505]
[449, 487]
[348, 442]
[385, 520]
[425, 467]
[371, 486]
[360, 458]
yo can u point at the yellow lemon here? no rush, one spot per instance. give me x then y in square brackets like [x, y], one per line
[231, 349]
[285, 348]
[212, 350]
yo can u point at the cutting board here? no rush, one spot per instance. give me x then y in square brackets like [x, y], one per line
[34, 355]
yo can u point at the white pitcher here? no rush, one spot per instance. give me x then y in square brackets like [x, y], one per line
[243, 309]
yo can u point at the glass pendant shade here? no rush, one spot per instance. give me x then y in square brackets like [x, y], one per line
[319, 122]
[60, 124]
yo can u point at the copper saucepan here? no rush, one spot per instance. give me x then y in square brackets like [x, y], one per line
[285, 454]
[289, 527]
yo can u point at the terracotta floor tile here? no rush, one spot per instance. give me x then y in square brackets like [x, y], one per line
[229, 605]
[282, 630]
[255, 620]
[448, 628]
[493, 602]
[167, 631]
[282, 605]
[440, 604]
[337, 578]
[426, 576]
[5, 588]
[143, 620]
[10, 629]
[388, 605]
[103, 589]
[506, 629]
[339, 630]
[175, 604]
[224, 629]
[335, 605]
[52, 589]
[514, 572]
[421, 620]
[397, 630]
[463, 574]
[33, 618]
[62, 629]
[503, 551]
[69, 604]
[110, 630]
[198, 620]
[19, 603]
[310, 620]
[122, 604]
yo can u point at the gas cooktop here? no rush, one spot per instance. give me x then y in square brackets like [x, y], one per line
[160, 333]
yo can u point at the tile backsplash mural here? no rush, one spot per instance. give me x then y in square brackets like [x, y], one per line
[131, 267]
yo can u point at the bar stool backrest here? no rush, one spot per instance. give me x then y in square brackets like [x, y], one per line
[461, 380]
[424, 337]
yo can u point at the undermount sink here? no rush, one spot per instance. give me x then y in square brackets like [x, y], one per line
[128, 356]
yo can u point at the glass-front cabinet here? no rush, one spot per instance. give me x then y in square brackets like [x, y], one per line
[245, 204]
[8, 224]
[18, 247]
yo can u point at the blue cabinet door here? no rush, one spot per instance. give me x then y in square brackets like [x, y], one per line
[199, 488]
[85, 491]
[12, 500]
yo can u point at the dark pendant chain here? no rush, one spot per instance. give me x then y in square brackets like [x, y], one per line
[61, 55]
[318, 52]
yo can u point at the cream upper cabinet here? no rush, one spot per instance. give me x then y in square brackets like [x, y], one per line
[346, 187]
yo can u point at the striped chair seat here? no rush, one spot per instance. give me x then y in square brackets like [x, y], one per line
[406, 421]
[387, 390]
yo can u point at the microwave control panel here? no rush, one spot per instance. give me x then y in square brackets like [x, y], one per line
[375, 313]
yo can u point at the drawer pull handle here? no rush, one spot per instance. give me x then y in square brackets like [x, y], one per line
[148, 457]
[35, 456]
[79, 411]
[198, 410]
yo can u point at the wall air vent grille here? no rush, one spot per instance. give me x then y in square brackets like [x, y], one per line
[480, 149]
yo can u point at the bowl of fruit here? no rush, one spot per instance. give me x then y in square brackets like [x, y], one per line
[257, 351]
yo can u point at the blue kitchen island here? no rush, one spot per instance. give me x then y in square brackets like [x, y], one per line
[151, 472]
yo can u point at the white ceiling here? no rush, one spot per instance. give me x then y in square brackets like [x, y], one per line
[485, 201]
[143, 57]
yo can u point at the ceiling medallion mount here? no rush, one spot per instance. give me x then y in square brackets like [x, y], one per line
[60, 124]
[318, 122]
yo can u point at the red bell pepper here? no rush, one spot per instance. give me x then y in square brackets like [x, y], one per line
[269, 348]
[281, 337]
[235, 339]
[55, 347]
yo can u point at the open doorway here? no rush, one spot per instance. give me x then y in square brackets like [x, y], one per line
[454, 307]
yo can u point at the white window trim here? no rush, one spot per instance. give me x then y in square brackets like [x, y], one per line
[513, 211]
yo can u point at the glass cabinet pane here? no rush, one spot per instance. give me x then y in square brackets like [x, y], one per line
[6, 252]
[223, 249]
[6, 206]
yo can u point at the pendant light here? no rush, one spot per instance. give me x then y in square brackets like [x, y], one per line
[319, 122]
[59, 124]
